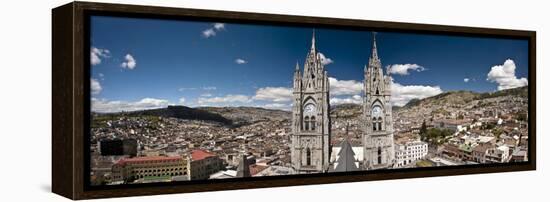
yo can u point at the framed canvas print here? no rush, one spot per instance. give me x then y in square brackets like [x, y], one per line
[156, 100]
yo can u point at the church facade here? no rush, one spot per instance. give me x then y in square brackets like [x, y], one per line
[311, 127]
[310, 137]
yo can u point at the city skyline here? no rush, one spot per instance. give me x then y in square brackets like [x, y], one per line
[250, 67]
[155, 63]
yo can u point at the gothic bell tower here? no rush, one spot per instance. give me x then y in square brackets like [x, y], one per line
[310, 137]
[377, 138]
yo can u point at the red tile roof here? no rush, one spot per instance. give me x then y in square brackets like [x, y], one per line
[255, 169]
[148, 158]
[200, 154]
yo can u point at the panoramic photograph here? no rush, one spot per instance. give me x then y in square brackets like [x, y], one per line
[182, 100]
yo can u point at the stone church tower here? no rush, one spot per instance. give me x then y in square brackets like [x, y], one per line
[377, 138]
[310, 137]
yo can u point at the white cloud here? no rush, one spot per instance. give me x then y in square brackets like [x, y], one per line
[344, 87]
[403, 69]
[274, 94]
[240, 61]
[96, 54]
[210, 32]
[184, 89]
[505, 76]
[206, 95]
[280, 97]
[95, 86]
[356, 99]
[225, 99]
[466, 80]
[105, 106]
[129, 62]
[94, 59]
[325, 60]
[219, 26]
[402, 94]
[209, 88]
[182, 100]
[205, 88]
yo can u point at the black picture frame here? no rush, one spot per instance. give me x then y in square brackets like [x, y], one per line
[71, 100]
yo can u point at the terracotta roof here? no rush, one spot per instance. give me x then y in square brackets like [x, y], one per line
[200, 154]
[148, 158]
[255, 169]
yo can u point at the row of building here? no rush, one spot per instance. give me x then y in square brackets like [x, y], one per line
[200, 164]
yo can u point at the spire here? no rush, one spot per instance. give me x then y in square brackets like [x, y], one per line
[327, 84]
[297, 77]
[374, 49]
[347, 130]
[313, 41]
[346, 158]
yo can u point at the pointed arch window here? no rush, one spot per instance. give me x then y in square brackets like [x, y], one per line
[312, 123]
[308, 156]
[379, 123]
[377, 113]
[306, 123]
[379, 155]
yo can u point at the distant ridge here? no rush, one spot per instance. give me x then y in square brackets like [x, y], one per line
[451, 97]
[239, 116]
[229, 116]
[462, 97]
[248, 115]
[183, 112]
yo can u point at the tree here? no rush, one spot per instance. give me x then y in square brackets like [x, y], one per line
[438, 136]
[423, 131]
[497, 132]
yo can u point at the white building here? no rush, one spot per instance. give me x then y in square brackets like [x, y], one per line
[410, 152]
[454, 125]
[497, 155]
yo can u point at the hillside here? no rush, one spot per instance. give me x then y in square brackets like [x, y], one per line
[239, 116]
[180, 112]
[230, 116]
[248, 115]
[464, 97]
[346, 110]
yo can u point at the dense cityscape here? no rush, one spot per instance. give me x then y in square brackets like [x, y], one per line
[455, 128]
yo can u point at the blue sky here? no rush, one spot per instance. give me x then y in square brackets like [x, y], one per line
[149, 63]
